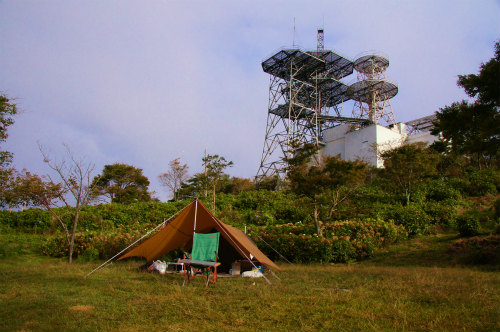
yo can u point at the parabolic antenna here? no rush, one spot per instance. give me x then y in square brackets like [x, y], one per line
[306, 66]
[368, 91]
[371, 64]
[372, 91]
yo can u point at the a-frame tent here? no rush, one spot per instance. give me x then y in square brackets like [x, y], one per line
[234, 244]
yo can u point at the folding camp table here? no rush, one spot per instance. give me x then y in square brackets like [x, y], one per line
[210, 267]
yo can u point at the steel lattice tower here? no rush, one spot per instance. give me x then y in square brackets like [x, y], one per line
[372, 92]
[304, 94]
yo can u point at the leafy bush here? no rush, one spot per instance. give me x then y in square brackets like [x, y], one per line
[496, 208]
[89, 255]
[468, 224]
[342, 242]
[483, 182]
[104, 217]
[460, 185]
[440, 190]
[261, 207]
[27, 220]
[442, 213]
[104, 244]
[412, 217]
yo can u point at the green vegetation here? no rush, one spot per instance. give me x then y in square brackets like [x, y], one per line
[122, 184]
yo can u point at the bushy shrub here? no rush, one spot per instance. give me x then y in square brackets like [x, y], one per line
[468, 224]
[412, 217]
[440, 190]
[89, 255]
[261, 207]
[460, 185]
[105, 244]
[483, 182]
[496, 209]
[442, 213]
[27, 220]
[342, 241]
[103, 217]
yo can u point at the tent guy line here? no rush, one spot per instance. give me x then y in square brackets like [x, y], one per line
[164, 223]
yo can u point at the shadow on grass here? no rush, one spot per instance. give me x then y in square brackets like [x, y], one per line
[430, 251]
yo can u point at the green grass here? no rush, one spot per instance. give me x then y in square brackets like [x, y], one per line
[409, 287]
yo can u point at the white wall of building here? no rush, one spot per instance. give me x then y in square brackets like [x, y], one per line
[350, 142]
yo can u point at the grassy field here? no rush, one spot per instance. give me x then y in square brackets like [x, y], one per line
[414, 286]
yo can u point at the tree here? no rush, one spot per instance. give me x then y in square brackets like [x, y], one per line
[73, 191]
[195, 186]
[345, 176]
[200, 184]
[214, 169]
[236, 185]
[408, 165]
[324, 180]
[174, 178]
[473, 128]
[7, 110]
[122, 183]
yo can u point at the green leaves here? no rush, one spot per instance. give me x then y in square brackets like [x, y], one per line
[122, 184]
[7, 110]
[408, 165]
[473, 128]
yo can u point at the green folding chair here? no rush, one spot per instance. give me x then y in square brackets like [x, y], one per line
[204, 255]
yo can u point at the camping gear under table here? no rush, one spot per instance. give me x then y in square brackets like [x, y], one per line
[209, 267]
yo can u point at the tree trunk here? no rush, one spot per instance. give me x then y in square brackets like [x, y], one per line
[214, 197]
[70, 255]
[71, 244]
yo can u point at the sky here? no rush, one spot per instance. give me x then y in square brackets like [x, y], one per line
[144, 82]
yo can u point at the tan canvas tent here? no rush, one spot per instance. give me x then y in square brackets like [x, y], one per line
[234, 244]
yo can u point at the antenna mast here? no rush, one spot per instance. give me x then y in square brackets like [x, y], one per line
[321, 40]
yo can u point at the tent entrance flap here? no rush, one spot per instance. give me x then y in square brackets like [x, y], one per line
[205, 246]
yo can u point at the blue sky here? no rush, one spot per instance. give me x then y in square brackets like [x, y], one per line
[144, 82]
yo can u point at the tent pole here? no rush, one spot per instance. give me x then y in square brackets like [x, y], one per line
[195, 214]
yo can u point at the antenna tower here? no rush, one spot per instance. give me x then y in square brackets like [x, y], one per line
[304, 93]
[372, 92]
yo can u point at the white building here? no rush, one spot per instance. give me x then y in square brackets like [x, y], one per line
[354, 142]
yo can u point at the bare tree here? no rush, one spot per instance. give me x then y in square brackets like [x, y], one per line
[174, 177]
[73, 190]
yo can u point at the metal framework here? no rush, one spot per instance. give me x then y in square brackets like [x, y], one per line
[304, 94]
[321, 40]
[420, 125]
[372, 92]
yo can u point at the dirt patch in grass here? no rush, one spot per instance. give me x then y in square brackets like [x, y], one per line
[81, 308]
